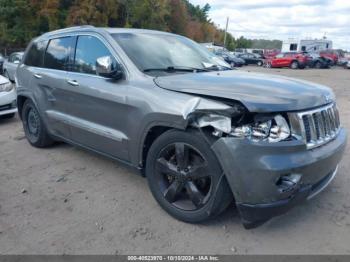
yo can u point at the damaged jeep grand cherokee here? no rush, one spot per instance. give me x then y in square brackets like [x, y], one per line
[204, 135]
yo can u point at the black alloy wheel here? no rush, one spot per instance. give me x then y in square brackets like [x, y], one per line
[183, 176]
[186, 178]
[34, 127]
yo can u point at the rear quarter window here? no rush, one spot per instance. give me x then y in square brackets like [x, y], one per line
[35, 56]
[58, 53]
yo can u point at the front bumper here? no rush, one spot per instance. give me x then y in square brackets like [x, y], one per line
[8, 103]
[254, 169]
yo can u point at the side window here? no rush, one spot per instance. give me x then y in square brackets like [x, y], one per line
[279, 56]
[35, 56]
[11, 58]
[293, 47]
[17, 58]
[58, 52]
[88, 49]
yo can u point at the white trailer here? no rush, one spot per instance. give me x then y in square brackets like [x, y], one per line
[306, 45]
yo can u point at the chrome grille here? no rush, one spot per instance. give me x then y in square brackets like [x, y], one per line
[316, 127]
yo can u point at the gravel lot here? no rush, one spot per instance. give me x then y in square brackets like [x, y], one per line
[64, 200]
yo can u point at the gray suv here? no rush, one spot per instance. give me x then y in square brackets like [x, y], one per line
[204, 135]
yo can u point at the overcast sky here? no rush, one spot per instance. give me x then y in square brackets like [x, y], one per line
[283, 19]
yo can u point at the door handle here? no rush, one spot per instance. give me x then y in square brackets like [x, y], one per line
[73, 82]
[38, 76]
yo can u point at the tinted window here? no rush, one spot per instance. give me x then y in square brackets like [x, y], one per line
[293, 47]
[35, 56]
[57, 53]
[88, 49]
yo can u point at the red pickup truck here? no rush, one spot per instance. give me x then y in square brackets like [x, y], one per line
[293, 60]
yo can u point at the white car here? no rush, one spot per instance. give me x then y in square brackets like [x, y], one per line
[8, 96]
[11, 64]
[347, 65]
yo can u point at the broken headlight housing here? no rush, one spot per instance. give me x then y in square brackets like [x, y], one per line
[272, 130]
[6, 87]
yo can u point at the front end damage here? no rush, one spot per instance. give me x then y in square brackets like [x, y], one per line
[268, 169]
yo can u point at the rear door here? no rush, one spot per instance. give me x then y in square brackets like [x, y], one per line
[49, 81]
[250, 59]
[99, 112]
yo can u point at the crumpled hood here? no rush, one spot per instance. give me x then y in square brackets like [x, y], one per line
[258, 92]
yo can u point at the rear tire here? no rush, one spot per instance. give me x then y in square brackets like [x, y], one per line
[189, 185]
[294, 65]
[33, 125]
[318, 65]
[260, 63]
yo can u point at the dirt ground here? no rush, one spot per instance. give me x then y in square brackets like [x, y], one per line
[64, 200]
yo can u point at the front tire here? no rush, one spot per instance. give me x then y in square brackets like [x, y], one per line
[33, 125]
[268, 65]
[185, 177]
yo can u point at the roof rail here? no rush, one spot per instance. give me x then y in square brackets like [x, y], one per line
[68, 29]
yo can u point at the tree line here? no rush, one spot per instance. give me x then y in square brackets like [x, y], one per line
[22, 20]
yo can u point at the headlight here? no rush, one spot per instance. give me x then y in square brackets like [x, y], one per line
[274, 130]
[7, 87]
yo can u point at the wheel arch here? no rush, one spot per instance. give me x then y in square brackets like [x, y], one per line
[152, 133]
[21, 99]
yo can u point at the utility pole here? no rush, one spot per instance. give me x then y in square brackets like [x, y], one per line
[226, 31]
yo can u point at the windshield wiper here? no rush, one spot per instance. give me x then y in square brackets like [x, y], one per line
[172, 69]
[217, 68]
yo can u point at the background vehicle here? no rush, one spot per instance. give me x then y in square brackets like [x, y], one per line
[199, 130]
[11, 64]
[331, 54]
[2, 59]
[232, 60]
[317, 61]
[251, 59]
[347, 65]
[306, 45]
[8, 105]
[291, 59]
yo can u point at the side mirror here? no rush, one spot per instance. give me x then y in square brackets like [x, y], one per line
[106, 68]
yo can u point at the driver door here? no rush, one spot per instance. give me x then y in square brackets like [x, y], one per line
[98, 112]
[278, 60]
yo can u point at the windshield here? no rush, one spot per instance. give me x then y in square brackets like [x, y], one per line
[153, 52]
